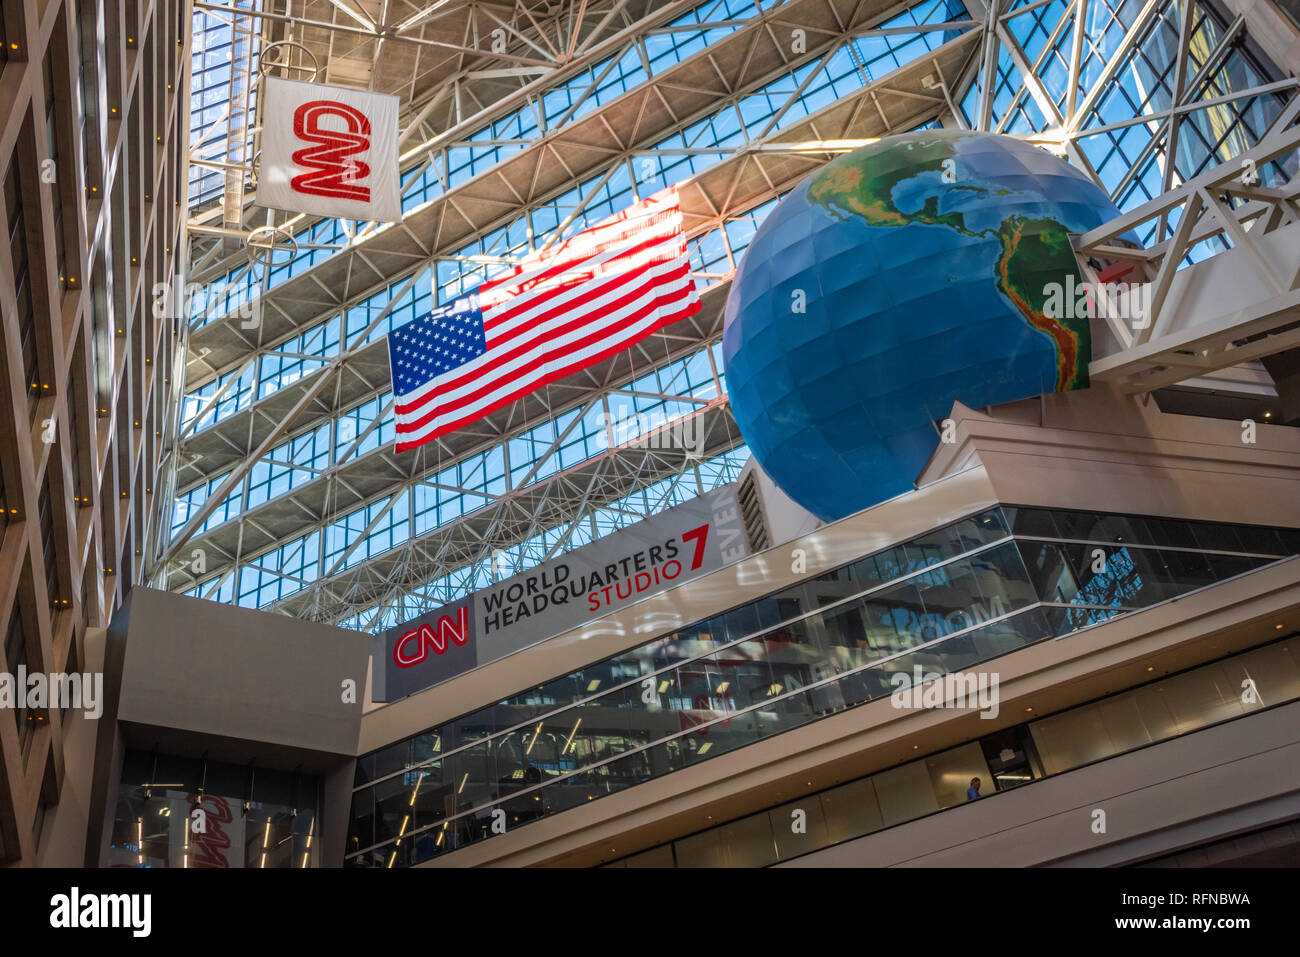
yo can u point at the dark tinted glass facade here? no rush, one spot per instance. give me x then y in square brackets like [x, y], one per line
[237, 816]
[946, 601]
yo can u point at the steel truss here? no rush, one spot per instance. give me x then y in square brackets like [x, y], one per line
[450, 90]
[1185, 330]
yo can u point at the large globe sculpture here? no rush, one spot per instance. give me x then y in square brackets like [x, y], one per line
[898, 278]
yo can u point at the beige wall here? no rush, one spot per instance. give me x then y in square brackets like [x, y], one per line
[1101, 450]
[1238, 776]
[1274, 33]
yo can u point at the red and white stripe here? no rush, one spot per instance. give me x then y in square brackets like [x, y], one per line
[562, 310]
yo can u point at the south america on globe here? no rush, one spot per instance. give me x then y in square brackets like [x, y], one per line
[900, 278]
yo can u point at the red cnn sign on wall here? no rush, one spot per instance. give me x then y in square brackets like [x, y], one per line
[329, 151]
[438, 645]
[414, 646]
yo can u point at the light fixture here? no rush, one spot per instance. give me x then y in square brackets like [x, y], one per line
[565, 750]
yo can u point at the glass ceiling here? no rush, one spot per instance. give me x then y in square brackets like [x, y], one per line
[1127, 158]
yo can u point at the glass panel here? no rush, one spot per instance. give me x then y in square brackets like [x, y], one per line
[851, 810]
[905, 793]
[655, 857]
[265, 820]
[959, 775]
[798, 827]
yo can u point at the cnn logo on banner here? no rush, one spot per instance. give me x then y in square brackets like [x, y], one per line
[414, 646]
[329, 151]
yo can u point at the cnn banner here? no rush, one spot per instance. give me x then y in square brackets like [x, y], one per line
[329, 151]
[604, 576]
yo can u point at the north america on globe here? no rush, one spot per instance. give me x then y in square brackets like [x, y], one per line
[1030, 248]
[909, 275]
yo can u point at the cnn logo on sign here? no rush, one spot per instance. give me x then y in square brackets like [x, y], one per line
[333, 169]
[329, 151]
[413, 647]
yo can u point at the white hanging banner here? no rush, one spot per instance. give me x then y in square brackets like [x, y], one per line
[329, 151]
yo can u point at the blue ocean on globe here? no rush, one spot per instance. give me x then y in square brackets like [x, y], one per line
[899, 278]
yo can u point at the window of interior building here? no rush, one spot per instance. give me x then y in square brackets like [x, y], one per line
[15, 658]
[48, 550]
[52, 145]
[13, 194]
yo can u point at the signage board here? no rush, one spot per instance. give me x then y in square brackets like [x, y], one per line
[329, 151]
[675, 546]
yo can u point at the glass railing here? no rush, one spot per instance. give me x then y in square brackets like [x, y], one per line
[1153, 713]
[953, 598]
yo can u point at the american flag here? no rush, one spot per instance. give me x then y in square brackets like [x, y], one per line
[558, 311]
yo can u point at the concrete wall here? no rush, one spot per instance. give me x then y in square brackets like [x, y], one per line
[222, 670]
[63, 841]
[783, 517]
[1108, 452]
[192, 677]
